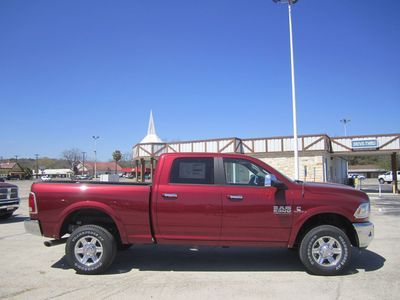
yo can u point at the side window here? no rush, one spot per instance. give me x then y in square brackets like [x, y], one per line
[193, 170]
[243, 172]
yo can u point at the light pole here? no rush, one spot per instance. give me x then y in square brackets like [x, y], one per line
[295, 139]
[37, 165]
[95, 155]
[83, 163]
[345, 122]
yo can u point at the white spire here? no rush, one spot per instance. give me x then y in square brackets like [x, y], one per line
[151, 137]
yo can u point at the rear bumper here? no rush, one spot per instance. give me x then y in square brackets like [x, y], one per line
[33, 227]
[365, 233]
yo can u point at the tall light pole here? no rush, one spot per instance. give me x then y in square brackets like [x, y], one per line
[37, 165]
[83, 162]
[345, 122]
[295, 138]
[95, 154]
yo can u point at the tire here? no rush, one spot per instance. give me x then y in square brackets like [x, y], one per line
[325, 250]
[94, 257]
[381, 181]
[6, 215]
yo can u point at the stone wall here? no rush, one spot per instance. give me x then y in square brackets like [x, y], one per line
[285, 165]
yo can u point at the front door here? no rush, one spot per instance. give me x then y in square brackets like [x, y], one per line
[252, 212]
[189, 206]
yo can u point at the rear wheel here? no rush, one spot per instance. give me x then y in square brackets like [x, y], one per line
[90, 249]
[381, 181]
[325, 250]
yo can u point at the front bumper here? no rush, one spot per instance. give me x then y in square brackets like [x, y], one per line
[365, 233]
[9, 205]
[33, 227]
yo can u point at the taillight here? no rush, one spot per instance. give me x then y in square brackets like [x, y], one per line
[32, 203]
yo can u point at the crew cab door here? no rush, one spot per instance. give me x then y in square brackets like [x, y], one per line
[252, 212]
[189, 206]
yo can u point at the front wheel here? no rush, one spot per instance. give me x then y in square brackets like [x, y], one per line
[90, 249]
[325, 250]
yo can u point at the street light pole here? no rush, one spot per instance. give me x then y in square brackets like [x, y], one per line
[83, 163]
[345, 122]
[295, 137]
[37, 165]
[95, 155]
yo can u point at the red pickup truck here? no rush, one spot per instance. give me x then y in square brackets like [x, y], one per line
[203, 199]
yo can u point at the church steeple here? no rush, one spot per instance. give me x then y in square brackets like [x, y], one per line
[151, 137]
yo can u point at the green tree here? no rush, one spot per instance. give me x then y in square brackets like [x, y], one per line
[117, 155]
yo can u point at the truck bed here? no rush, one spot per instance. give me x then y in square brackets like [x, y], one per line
[128, 204]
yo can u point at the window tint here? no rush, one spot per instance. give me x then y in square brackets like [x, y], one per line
[193, 171]
[243, 172]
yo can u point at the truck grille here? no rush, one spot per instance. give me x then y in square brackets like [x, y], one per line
[7, 194]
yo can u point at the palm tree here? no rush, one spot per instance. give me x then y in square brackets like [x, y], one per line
[117, 157]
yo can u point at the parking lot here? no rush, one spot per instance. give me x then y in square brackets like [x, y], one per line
[32, 271]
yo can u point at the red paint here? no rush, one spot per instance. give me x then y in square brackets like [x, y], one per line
[200, 214]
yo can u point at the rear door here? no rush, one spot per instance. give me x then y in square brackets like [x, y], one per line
[189, 207]
[253, 212]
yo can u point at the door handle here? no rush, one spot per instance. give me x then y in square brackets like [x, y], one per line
[170, 196]
[235, 197]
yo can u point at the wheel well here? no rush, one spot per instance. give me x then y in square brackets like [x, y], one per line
[327, 219]
[89, 216]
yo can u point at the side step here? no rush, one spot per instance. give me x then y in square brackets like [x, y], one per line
[55, 242]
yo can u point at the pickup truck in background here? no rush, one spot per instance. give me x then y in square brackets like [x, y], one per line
[388, 177]
[9, 200]
[203, 199]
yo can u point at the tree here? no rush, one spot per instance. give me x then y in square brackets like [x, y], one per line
[72, 156]
[117, 155]
[126, 160]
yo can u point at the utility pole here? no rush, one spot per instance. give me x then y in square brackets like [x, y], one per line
[95, 155]
[16, 158]
[345, 122]
[295, 138]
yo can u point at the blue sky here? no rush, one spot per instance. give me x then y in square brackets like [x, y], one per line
[208, 69]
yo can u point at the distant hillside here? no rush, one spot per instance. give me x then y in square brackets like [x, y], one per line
[382, 161]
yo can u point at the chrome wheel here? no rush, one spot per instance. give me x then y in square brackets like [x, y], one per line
[88, 250]
[326, 251]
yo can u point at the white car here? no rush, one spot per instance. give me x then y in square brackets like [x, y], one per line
[356, 176]
[388, 177]
[45, 178]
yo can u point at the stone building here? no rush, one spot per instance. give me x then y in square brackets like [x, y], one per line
[321, 158]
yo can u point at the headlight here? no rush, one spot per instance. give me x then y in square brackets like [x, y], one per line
[362, 211]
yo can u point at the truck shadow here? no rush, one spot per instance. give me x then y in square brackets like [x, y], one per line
[14, 219]
[216, 259]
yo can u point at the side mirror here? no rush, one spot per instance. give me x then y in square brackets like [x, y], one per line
[279, 185]
[272, 181]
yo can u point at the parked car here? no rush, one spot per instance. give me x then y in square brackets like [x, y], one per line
[354, 176]
[45, 178]
[204, 199]
[82, 177]
[9, 200]
[388, 177]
